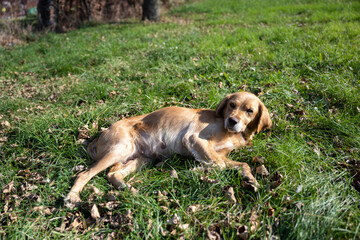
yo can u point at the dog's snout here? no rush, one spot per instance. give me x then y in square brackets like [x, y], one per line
[232, 121]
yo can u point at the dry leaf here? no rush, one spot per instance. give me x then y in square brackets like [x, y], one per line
[39, 209]
[150, 224]
[213, 235]
[95, 125]
[209, 180]
[299, 205]
[78, 168]
[271, 212]
[83, 132]
[261, 170]
[173, 174]
[254, 222]
[8, 188]
[49, 210]
[174, 220]
[193, 208]
[33, 197]
[5, 124]
[229, 193]
[112, 205]
[162, 198]
[112, 195]
[95, 212]
[95, 190]
[258, 159]
[163, 232]
[164, 209]
[184, 227]
[277, 180]
[243, 233]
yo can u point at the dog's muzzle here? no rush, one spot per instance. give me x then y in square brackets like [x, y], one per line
[234, 125]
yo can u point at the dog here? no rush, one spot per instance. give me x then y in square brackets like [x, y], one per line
[206, 135]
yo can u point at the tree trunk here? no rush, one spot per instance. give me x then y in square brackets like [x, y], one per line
[73, 13]
[151, 10]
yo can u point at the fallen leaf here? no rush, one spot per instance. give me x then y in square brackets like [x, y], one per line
[193, 208]
[271, 211]
[299, 205]
[163, 232]
[174, 220]
[173, 174]
[95, 212]
[209, 180]
[164, 209]
[39, 209]
[82, 141]
[95, 190]
[150, 224]
[277, 180]
[112, 195]
[83, 132]
[78, 168]
[184, 226]
[258, 159]
[8, 188]
[95, 125]
[112, 205]
[261, 170]
[243, 233]
[33, 197]
[254, 222]
[213, 235]
[229, 194]
[162, 199]
[5, 124]
[49, 210]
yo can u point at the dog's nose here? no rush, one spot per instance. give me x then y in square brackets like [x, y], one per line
[232, 121]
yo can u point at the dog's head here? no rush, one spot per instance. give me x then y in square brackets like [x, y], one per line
[243, 111]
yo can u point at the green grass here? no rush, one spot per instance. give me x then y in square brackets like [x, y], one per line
[301, 58]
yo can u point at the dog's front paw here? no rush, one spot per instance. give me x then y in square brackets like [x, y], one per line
[72, 200]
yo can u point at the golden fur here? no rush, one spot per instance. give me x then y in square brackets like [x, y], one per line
[207, 135]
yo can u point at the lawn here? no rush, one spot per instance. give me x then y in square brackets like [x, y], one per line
[301, 57]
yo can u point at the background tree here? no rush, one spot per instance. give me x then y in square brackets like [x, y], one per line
[72, 13]
[151, 10]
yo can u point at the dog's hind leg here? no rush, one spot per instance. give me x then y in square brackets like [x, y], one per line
[119, 171]
[73, 197]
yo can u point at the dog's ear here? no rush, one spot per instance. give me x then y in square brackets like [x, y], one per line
[220, 108]
[264, 121]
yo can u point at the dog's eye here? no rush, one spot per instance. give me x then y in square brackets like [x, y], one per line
[232, 105]
[249, 111]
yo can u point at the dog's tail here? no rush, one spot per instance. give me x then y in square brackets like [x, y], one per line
[91, 149]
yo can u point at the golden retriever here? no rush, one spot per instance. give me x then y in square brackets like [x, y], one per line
[207, 135]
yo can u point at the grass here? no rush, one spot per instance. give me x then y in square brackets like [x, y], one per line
[301, 58]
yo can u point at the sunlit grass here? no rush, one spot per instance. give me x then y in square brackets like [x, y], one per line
[300, 57]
